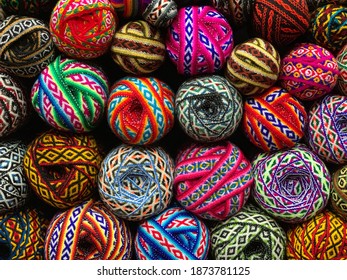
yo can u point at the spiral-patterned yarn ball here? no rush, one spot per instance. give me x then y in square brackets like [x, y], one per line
[88, 231]
[83, 29]
[136, 182]
[140, 110]
[129, 9]
[338, 198]
[35, 8]
[70, 95]
[63, 168]
[341, 59]
[160, 13]
[174, 234]
[199, 40]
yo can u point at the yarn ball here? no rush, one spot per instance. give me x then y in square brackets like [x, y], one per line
[140, 110]
[309, 71]
[160, 13]
[248, 235]
[70, 95]
[321, 238]
[199, 40]
[62, 168]
[314, 4]
[253, 66]
[26, 46]
[341, 59]
[174, 234]
[35, 8]
[2, 13]
[22, 235]
[338, 198]
[274, 120]
[88, 231]
[138, 48]
[129, 9]
[213, 181]
[291, 185]
[83, 29]
[208, 108]
[280, 22]
[136, 182]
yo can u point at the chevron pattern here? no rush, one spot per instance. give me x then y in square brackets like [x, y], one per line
[160, 13]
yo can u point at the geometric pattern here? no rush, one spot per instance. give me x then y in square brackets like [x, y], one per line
[341, 58]
[338, 199]
[160, 13]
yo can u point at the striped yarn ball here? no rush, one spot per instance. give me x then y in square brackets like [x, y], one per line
[136, 182]
[291, 185]
[174, 234]
[314, 4]
[70, 95]
[35, 8]
[140, 110]
[341, 59]
[88, 231]
[338, 198]
[129, 9]
[160, 13]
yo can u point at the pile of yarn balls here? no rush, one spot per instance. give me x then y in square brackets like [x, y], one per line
[169, 129]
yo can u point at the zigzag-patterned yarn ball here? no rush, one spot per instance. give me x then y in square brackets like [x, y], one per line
[208, 108]
[62, 168]
[341, 59]
[174, 234]
[70, 95]
[83, 29]
[213, 181]
[199, 40]
[160, 13]
[35, 8]
[292, 185]
[129, 9]
[309, 71]
[136, 182]
[88, 231]
[140, 110]
[338, 198]
[274, 120]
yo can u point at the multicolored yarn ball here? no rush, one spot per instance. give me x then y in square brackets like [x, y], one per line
[338, 198]
[160, 13]
[35, 8]
[70, 95]
[341, 59]
[309, 71]
[248, 235]
[253, 66]
[314, 4]
[174, 234]
[291, 185]
[213, 181]
[274, 120]
[140, 110]
[138, 48]
[88, 231]
[83, 29]
[63, 168]
[129, 9]
[136, 182]
[199, 40]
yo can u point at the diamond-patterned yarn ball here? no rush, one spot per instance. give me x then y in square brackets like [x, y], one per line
[129, 9]
[174, 234]
[136, 182]
[341, 59]
[88, 231]
[338, 198]
[213, 181]
[199, 40]
[160, 13]
[35, 8]
[62, 168]
[70, 95]
[208, 108]
[292, 185]
[274, 120]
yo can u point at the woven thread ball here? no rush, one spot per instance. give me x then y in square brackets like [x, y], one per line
[274, 120]
[129, 9]
[83, 29]
[140, 110]
[63, 168]
[341, 59]
[314, 4]
[253, 66]
[35, 8]
[199, 40]
[136, 182]
[338, 198]
[88, 231]
[138, 48]
[309, 71]
[26, 46]
[213, 181]
[70, 95]
[174, 234]
[160, 13]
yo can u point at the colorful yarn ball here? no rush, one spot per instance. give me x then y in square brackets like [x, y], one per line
[35, 8]
[26, 46]
[321, 238]
[341, 59]
[174, 234]
[253, 66]
[88, 231]
[140, 110]
[70, 95]
[291, 185]
[62, 168]
[136, 182]
[138, 48]
[160, 13]
[199, 40]
[83, 29]
[129, 9]
[338, 198]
